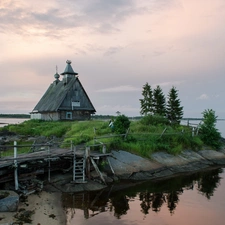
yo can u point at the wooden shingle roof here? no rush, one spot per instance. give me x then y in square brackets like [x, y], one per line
[55, 95]
[60, 94]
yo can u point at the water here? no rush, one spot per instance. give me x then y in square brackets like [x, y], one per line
[220, 125]
[6, 121]
[198, 199]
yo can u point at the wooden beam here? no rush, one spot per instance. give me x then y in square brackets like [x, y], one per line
[97, 170]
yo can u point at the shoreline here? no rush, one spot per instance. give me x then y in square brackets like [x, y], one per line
[47, 208]
[47, 204]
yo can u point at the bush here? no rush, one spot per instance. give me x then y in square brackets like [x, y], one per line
[208, 131]
[121, 124]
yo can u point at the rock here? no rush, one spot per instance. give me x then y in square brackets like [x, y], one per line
[10, 202]
[163, 165]
[125, 164]
[216, 157]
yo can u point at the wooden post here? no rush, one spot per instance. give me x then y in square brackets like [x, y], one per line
[126, 133]
[15, 167]
[74, 163]
[49, 165]
[163, 132]
[87, 156]
[103, 149]
[193, 131]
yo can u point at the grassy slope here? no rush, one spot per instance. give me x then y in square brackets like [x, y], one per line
[141, 139]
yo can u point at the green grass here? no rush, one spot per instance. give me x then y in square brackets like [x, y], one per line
[142, 139]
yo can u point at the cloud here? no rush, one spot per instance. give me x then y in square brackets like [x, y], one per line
[101, 10]
[170, 83]
[112, 50]
[47, 18]
[203, 97]
[107, 28]
[124, 88]
[51, 16]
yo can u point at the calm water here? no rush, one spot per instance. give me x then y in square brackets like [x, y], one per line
[220, 125]
[6, 121]
[198, 199]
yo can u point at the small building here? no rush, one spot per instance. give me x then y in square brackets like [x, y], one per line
[65, 99]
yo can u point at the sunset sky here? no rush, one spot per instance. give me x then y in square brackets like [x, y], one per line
[116, 46]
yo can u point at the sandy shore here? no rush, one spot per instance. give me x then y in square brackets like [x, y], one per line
[46, 206]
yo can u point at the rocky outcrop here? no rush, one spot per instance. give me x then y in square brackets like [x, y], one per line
[163, 165]
[9, 201]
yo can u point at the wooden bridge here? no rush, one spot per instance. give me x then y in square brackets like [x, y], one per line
[78, 159]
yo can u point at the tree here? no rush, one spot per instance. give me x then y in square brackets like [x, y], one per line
[146, 102]
[118, 113]
[174, 110]
[208, 131]
[159, 102]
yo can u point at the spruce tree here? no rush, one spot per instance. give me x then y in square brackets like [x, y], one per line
[174, 110]
[159, 102]
[208, 131]
[146, 102]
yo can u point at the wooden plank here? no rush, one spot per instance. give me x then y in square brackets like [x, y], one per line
[97, 169]
[110, 165]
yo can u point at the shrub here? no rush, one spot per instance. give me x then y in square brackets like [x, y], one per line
[208, 131]
[121, 124]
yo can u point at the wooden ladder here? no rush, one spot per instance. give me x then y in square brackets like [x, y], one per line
[79, 165]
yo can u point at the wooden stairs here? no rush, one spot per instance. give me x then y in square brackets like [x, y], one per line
[79, 165]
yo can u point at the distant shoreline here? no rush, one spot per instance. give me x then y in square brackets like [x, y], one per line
[15, 116]
[27, 116]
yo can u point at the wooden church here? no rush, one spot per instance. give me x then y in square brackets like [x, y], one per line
[65, 99]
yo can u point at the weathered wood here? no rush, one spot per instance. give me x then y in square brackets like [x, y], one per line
[125, 136]
[74, 162]
[5, 147]
[163, 132]
[31, 163]
[97, 170]
[49, 166]
[87, 156]
[15, 167]
[110, 165]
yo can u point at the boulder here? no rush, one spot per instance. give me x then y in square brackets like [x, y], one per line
[9, 201]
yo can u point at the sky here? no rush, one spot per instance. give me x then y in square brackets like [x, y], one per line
[116, 46]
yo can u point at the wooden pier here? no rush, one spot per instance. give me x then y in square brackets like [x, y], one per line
[77, 159]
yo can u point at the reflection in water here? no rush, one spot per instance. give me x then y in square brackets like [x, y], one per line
[151, 195]
[207, 184]
[120, 205]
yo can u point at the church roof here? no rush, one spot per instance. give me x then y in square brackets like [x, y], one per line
[53, 98]
[69, 69]
[60, 94]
